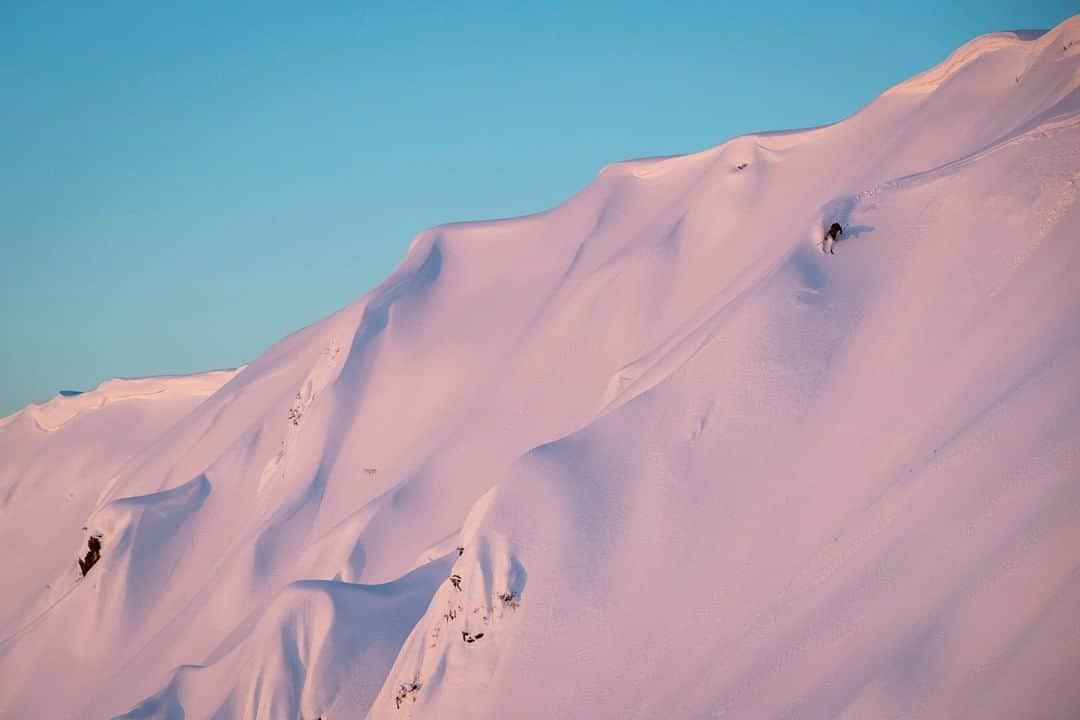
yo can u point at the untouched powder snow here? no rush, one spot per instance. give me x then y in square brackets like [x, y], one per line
[55, 459]
[648, 454]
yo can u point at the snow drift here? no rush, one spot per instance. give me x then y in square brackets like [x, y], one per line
[647, 454]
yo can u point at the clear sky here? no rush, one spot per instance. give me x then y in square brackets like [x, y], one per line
[182, 184]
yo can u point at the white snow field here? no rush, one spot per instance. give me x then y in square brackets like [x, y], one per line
[696, 467]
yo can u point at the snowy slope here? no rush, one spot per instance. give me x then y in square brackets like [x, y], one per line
[695, 467]
[57, 458]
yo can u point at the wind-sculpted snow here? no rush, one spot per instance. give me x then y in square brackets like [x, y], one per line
[55, 461]
[647, 454]
[319, 642]
[54, 414]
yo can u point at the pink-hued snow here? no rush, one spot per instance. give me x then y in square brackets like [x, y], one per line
[695, 467]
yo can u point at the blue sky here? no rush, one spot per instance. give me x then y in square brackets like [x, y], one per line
[182, 184]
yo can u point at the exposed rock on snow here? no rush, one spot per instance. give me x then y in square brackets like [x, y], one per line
[643, 462]
[93, 554]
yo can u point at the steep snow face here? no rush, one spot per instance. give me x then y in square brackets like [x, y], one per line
[648, 454]
[56, 458]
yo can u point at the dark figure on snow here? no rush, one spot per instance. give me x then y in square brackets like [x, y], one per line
[829, 241]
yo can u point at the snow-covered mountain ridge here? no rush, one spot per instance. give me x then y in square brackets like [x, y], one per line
[650, 453]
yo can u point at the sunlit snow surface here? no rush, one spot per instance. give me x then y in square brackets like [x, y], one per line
[696, 467]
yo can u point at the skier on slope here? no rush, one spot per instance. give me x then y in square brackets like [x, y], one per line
[831, 234]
